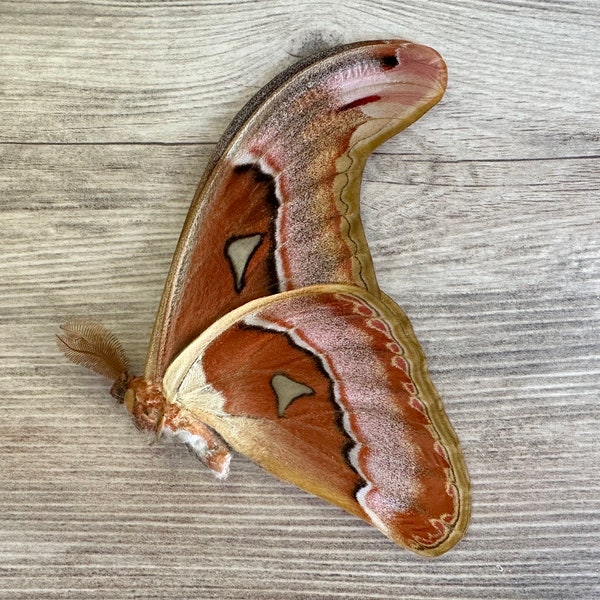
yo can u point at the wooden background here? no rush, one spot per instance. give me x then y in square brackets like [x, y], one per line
[483, 219]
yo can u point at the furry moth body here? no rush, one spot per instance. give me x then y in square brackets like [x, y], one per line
[273, 337]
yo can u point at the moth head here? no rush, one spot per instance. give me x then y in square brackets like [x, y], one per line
[145, 403]
[90, 344]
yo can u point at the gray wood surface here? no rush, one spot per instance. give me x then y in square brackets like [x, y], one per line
[483, 219]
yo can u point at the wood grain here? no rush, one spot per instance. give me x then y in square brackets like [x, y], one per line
[483, 220]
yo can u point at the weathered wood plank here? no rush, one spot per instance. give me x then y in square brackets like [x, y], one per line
[483, 223]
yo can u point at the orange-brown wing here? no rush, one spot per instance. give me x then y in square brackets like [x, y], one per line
[327, 388]
[278, 207]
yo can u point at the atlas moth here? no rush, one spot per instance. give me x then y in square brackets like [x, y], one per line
[272, 337]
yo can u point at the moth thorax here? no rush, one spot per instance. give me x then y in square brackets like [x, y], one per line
[145, 403]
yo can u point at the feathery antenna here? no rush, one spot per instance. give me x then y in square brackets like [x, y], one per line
[93, 346]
